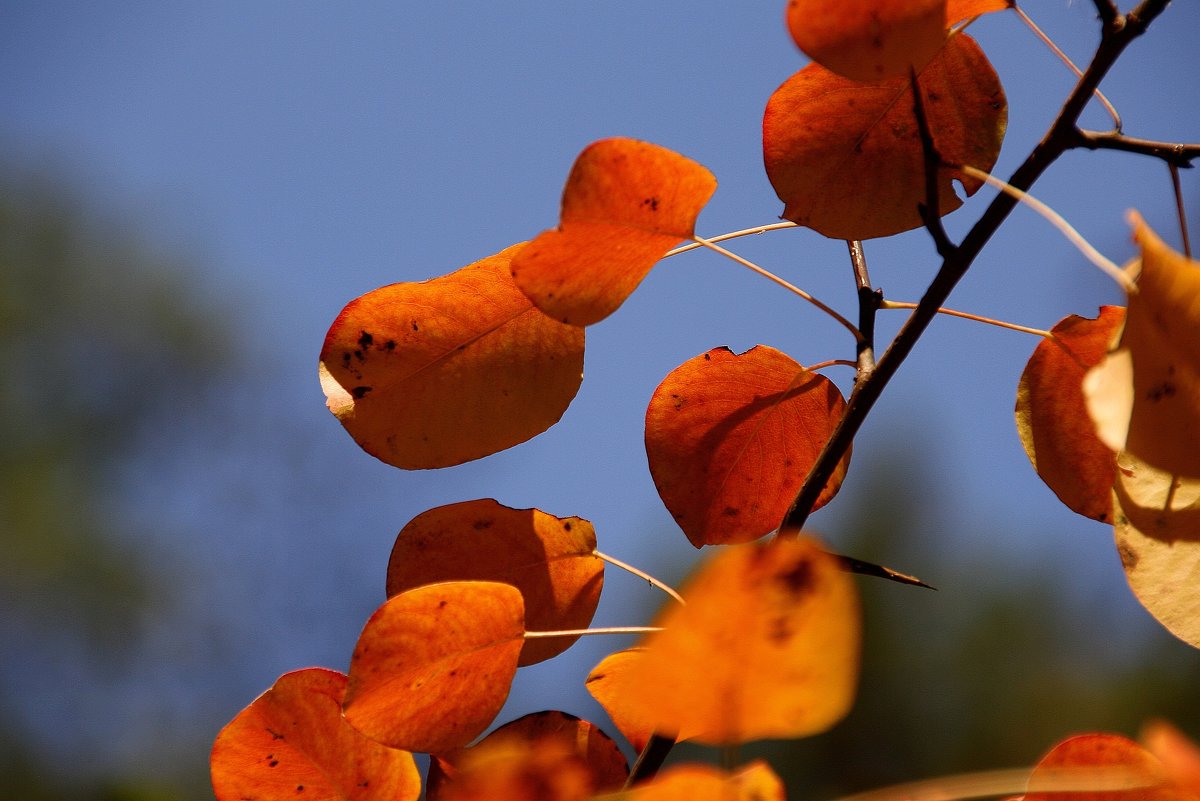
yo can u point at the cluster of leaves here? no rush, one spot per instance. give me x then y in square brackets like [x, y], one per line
[764, 641]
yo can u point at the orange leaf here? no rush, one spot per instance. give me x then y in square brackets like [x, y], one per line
[1145, 396]
[1178, 754]
[626, 203]
[609, 684]
[1052, 417]
[441, 372]
[846, 158]
[1156, 524]
[433, 665]
[959, 10]
[293, 743]
[868, 40]
[755, 782]
[536, 750]
[730, 439]
[766, 646]
[550, 560]
[1103, 751]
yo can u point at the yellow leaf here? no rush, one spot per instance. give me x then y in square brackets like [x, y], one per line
[1145, 396]
[755, 782]
[766, 646]
[1157, 530]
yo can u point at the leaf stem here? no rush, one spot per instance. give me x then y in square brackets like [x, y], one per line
[849, 326]
[758, 229]
[812, 368]
[894, 304]
[612, 560]
[1010, 781]
[542, 635]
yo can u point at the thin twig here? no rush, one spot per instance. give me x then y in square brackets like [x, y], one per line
[849, 326]
[758, 229]
[895, 304]
[1054, 143]
[545, 635]
[1174, 153]
[868, 303]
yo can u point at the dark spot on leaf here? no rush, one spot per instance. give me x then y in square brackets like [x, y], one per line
[779, 631]
[366, 340]
[707, 358]
[273, 763]
[1164, 390]
[730, 511]
[651, 203]
[299, 788]
[390, 345]
[346, 359]
[798, 579]
[566, 525]
[274, 734]
[358, 354]
[442, 604]
[1129, 557]
[1102, 516]
[480, 525]
[360, 392]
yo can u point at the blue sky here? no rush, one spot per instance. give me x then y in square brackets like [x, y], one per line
[307, 152]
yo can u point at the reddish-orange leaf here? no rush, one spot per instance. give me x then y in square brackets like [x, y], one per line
[1115, 760]
[626, 203]
[730, 439]
[868, 40]
[1155, 522]
[1052, 416]
[593, 760]
[551, 560]
[433, 665]
[1145, 396]
[846, 158]
[441, 372]
[292, 742]
[766, 647]
[959, 10]
[755, 782]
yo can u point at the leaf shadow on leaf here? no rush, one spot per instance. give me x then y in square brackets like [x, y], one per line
[1165, 524]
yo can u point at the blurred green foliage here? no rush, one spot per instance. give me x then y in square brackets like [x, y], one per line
[102, 342]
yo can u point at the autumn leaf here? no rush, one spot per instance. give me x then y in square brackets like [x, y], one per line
[441, 372]
[755, 782]
[730, 439]
[868, 40]
[1179, 755]
[551, 560]
[292, 742]
[960, 10]
[1157, 529]
[1145, 396]
[846, 158]
[1052, 417]
[433, 665]
[545, 755]
[1109, 758]
[766, 647]
[626, 203]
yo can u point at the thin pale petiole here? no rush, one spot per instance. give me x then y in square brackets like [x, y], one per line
[545, 635]
[812, 368]
[1014, 781]
[1046, 40]
[892, 304]
[788, 286]
[1094, 256]
[759, 229]
[640, 574]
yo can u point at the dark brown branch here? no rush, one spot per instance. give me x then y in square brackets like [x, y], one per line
[1108, 12]
[851, 565]
[1179, 155]
[869, 300]
[1183, 226]
[930, 210]
[1060, 137]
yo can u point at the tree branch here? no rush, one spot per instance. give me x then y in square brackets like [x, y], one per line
[1058, 139]
[930, 210]
[1179, 155]
[869, 301]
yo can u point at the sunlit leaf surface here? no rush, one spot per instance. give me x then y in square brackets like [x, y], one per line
[755, 782]
[868, 40]
[550, 560]
[1145, 396]
[1157, 529]
[433, 665]
[444, 371]
[1104, 752]
[1179, 755]
[292, 742]
[731, 437]
[550, 755]
[959, 10]
[766, 647]
[1052, 417]
[846, 158]
[626, 203]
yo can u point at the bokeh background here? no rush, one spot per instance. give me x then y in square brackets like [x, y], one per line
[189, 193]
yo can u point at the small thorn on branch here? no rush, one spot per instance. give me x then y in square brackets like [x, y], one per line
[851, 565]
